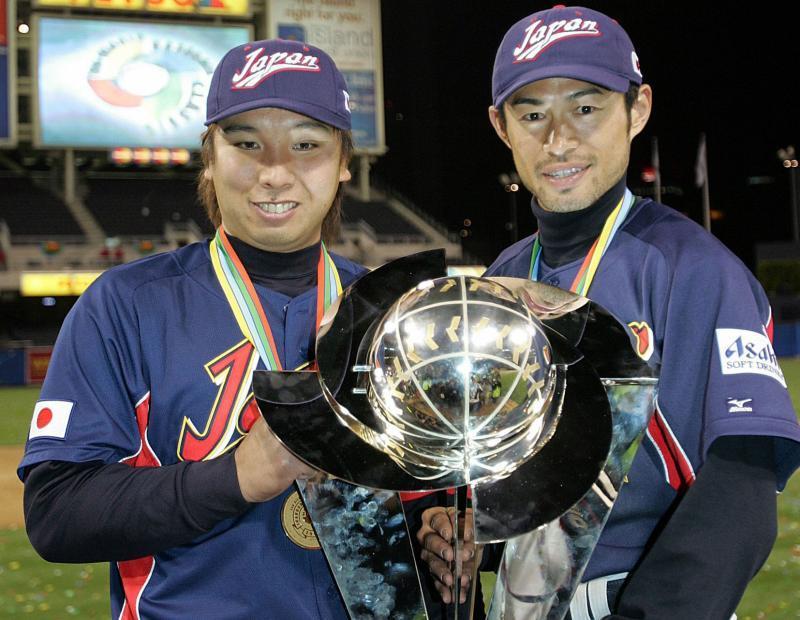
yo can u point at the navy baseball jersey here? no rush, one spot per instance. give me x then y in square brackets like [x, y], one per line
[150, 368]
[696, 313]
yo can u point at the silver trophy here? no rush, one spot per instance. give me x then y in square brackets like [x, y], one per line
[531, 397]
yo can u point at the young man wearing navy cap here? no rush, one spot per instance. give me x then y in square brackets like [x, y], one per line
[697, 517]
[147, 449]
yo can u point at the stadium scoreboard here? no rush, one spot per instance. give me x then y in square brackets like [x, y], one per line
[233, 8]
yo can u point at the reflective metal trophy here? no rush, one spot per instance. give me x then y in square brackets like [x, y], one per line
[532, 397]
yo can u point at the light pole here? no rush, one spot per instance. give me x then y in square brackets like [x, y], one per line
[789, 160]
[510, 183]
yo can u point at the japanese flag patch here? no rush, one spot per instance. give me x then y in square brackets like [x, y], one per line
[50, 419]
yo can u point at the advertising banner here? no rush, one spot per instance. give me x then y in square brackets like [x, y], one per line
[55, 283]
[196, 7]
[37, 359]
[350, 31]
[8, 72]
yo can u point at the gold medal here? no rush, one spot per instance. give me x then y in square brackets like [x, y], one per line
[297, 524]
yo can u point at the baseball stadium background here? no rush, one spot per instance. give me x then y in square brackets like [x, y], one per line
[101, 107]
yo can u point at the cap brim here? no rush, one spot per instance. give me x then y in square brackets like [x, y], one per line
[606, 79]
[293, 105]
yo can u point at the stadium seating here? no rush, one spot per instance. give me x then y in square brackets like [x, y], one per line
[34, 211]
[140, 205]
[380, 216]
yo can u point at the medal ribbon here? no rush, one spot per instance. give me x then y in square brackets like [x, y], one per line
[246, 306]
[585, 276]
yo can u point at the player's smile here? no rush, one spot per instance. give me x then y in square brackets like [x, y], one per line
[276, 174]
[564, 176]
[570, 139]
[276, 208]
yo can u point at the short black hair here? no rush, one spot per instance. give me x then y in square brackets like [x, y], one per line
[630, 97]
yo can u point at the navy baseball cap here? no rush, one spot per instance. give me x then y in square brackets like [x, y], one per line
[572, 42]
[279, 74]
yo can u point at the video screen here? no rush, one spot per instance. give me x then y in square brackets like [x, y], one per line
[105, 83]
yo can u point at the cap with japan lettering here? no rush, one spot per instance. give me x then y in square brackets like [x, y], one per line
[283, 74]
[571, 42]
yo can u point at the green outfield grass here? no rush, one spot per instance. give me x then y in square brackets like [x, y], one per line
[37, 589]
[16, 407]
[30, 586]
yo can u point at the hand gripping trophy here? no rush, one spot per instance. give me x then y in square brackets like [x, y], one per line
[527, 398]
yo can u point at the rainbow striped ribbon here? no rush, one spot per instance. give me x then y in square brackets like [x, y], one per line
[244, 302]
[585, 276]
[331, 286]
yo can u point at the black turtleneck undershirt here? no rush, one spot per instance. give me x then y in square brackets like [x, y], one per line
[289, 273]
[155, 508]
[567, 237]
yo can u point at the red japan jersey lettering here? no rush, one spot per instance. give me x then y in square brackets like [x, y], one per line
[135, 574]
[234, 410]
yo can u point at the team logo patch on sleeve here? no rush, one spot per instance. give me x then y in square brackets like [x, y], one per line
[50, 419]
[744, 352]
[644, 339]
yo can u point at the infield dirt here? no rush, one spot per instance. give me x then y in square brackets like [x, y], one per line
[10, 487]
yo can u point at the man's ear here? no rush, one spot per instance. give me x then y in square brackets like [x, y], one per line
[496, 119]
[344, 172]
[640, 112]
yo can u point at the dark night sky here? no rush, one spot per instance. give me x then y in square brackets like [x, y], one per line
[713, 69]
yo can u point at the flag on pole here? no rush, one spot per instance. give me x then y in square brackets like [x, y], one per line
[701, 180]
[656, 164]
[701, 166]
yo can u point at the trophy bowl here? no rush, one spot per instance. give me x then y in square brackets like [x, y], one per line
[461, 380]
